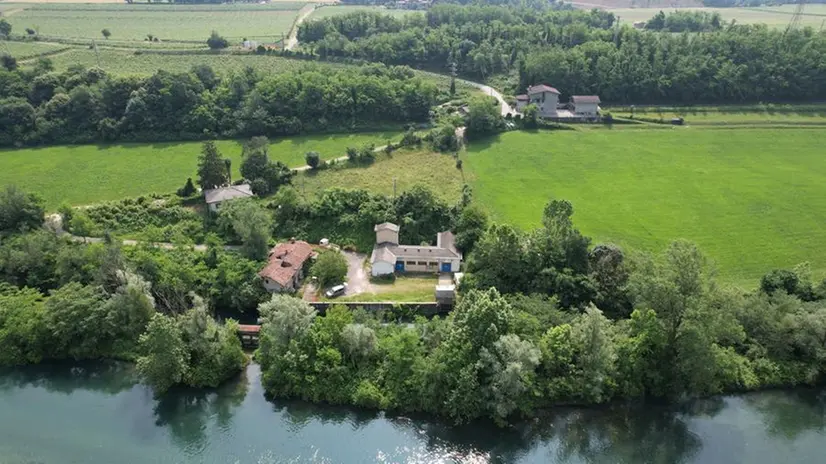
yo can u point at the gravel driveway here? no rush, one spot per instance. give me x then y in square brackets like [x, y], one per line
[358, 280]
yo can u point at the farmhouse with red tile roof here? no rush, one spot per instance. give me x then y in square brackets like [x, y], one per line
[285, 268]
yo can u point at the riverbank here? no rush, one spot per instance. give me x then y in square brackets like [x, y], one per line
[95, 413]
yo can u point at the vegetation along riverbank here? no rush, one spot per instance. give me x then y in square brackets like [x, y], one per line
[711, 144]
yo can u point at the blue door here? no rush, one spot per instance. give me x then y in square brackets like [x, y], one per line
[445, 267]
[399, 266]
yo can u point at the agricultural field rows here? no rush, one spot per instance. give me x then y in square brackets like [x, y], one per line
[87, 174]
[265, 23]
[754, 200]
[123, 62]
[24, 50]
[336, 10]
[779, 17]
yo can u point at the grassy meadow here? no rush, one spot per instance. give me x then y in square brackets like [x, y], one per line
[753, 200]
[24, 50]
[733, 115]
[87, 174]
[336, 10]
[776, 16]
[127, 62]
[435, 171]
[167, 22]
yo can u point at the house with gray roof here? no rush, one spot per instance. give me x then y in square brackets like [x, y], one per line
[389, 256]
[216, 197]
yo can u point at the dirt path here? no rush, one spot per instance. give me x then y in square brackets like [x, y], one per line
[303, 13]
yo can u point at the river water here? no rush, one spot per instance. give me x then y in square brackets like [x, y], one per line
[96, 413]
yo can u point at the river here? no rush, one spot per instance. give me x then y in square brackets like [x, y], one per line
[96, 413]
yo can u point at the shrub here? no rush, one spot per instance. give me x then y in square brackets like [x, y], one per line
[215, 41]
[313, 159]
[188, 189]
[352, 154]
[330, 268]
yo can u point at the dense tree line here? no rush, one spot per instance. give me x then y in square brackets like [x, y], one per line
[685, 21]
[585, 53]
[480, 40]
[539, 340]
[84, 105]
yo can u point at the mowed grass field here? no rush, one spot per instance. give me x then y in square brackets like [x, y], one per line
[753, 200]
[779, 16]
[24, 50]
[336, 10]
[87, 174]
[167, 22]
[126, 62]
[733, 115]
[407, 168]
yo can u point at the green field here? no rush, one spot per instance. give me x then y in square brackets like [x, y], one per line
[733, 115]
[408, 167]
[122, 62]
[327, 11]
[88, 174]
[813, 15]
[24, 50]
[168, 22]
[752, 199]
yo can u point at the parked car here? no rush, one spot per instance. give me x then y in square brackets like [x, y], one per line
[338, 290]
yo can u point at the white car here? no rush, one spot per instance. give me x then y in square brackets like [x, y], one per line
[338, 290]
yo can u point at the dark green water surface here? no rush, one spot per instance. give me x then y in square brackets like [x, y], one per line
[96, 413]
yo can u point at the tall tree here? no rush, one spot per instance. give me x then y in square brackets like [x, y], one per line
[212, 172]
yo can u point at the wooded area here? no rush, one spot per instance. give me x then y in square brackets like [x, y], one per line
[584, 52]
[87, 105]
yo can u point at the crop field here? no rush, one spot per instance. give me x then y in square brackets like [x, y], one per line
[327, 11]
[167, 22]
[734, 115]
[753, 200]
[123, 62]
[406, 168]
[24, 50]
[87, 174]
[813, 15]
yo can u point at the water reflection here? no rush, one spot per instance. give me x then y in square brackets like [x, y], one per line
[235, 423]
[792, 413]
[188, 412]
[104, 377]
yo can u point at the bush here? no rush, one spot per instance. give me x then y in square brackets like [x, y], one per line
[215, 41]
[352, 154]
[330, 268]
[313, 159]
[411, 139]
[188, 189]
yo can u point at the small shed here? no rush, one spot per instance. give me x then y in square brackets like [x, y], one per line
[215, 197]
[585, 105]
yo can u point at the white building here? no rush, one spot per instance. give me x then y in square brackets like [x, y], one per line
[389, 256]
[585, 105]
[215, 197]
[545, 98]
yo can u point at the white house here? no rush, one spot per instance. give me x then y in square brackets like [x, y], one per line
[585, 105]
[389, 256]
[215, 197]
[545, 98]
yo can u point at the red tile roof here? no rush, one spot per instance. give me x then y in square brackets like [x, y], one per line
[522, 97]
[248, 329]
[542, 88]
[286, 260]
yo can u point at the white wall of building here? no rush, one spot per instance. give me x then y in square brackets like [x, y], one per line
[546, 102]
[586, 109]
[387, 236]
[382, 268]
